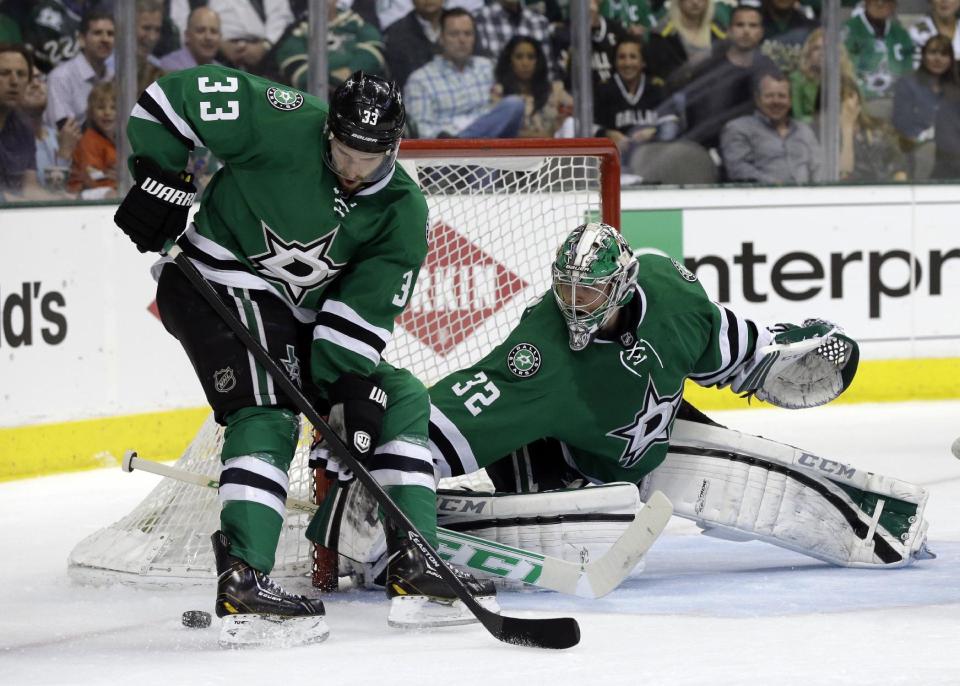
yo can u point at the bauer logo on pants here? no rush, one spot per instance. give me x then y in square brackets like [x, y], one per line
[224, 380]
[524, 360]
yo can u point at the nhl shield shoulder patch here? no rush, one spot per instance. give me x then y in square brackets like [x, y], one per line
[284, 99]
[523, 360]
[684, 272]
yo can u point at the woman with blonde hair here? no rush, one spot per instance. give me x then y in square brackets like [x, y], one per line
[686, 38]
[805, 80]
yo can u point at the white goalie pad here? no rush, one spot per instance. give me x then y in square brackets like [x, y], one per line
[577, 525]
[744, 487]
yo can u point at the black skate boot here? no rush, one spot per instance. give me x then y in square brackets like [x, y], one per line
[419, 597]
[257, 611]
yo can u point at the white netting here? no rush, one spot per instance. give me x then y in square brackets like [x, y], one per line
[495, 224]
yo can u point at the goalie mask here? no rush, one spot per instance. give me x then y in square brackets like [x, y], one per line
[364, 126]
[593, 276]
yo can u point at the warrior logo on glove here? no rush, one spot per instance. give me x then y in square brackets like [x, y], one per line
[361, 441]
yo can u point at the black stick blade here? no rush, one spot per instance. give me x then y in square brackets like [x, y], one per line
[556, 633]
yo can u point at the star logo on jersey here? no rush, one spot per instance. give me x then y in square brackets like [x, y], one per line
[523, 360]
[283, 99]
[292, 365]
[651, 425]
[684, 272]
[296, 267]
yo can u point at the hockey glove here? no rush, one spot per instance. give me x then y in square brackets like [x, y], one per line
[804, 366]
[155, 209]
[358, 406]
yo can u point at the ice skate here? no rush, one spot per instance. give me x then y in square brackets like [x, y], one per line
[256, 611]
[419, 597]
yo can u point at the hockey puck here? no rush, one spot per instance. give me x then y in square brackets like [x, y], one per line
[196, 619]
[955, 448]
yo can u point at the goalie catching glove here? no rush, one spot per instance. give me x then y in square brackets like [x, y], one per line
[803, 366]
[155, 209]
[358, 406]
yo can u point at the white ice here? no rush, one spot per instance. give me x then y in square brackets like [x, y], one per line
[704, 611]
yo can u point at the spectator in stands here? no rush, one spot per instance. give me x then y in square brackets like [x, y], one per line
[201, 42]
[250, 28]
[947, 136]
[94, 170]
[450, 96]
[411, 42]
[9, 29]
[605, 35]
[785, 28]
[68, 86]
[18, 153]
[916, 99]
[149, 20]
[501, 20]
[352, 45]
[721, 88]
[522, 70]
[880, 48]
[942, 19]
[686, 38]
[627, 107]
[805, 80]
[52, 31]
[768, 146]
[54, 147]
[868, 149]
[636, 16]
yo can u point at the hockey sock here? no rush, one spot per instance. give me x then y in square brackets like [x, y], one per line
[419, 503]
[253, 530]
[258, 445]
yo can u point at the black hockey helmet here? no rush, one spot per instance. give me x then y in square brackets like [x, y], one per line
[366, 113]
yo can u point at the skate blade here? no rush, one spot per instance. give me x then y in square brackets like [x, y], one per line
[422, 612]
[272, 631]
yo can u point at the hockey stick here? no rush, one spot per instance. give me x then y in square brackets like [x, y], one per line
[590, 580]
[556, 632]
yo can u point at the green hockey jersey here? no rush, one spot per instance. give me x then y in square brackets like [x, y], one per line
[274, 217]
[612, 404]
[877, 60]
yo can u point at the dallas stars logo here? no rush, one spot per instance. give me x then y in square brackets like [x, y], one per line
[283, 99]
[651, 425]
[296, 267]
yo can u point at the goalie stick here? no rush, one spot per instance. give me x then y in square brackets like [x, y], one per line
[553, 632]
[588, 580]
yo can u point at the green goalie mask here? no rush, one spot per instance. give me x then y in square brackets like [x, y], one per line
[593, 276]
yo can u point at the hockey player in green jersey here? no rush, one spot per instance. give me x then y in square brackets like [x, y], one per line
[588, 388]
[316, 237]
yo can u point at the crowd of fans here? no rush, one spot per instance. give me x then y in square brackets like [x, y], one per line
[735, 88]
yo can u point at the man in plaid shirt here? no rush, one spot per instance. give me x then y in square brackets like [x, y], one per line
[504, 19]
[450, 95]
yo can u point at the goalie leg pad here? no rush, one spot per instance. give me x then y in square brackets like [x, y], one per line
[744, 487]
[575, 525]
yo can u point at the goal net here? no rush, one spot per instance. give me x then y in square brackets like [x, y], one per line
[498, 211]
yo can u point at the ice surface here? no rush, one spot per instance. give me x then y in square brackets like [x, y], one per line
[704, 612]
